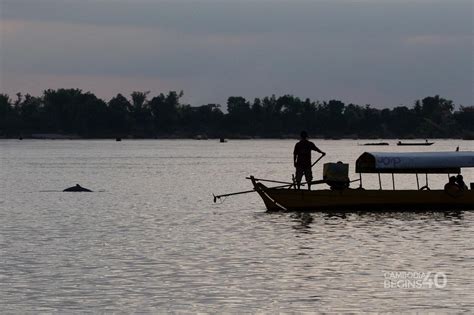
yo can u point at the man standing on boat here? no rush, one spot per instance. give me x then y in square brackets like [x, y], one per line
[302, 159]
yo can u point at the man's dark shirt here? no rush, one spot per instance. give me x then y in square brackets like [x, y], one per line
[303, 153]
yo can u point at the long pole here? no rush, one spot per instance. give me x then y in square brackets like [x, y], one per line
[245, 192]
[249, 191]
[322, 155]
[269, 180]
[232, 194]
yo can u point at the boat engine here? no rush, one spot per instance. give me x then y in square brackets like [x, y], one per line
[336, 175]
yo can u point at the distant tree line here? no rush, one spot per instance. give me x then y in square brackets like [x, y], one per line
[74, 112]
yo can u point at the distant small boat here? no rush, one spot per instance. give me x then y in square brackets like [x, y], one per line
[377, 143]
[415, 143]
[222, 140]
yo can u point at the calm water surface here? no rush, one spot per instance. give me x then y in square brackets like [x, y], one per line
[151, 239]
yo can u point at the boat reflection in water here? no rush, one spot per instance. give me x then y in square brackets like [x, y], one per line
[339, 197]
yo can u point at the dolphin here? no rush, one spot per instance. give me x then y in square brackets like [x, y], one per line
[77, 188]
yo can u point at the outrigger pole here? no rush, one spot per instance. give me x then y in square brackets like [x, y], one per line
[249, 191]
[231, 194]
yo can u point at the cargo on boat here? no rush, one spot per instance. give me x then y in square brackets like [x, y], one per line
[339, 197]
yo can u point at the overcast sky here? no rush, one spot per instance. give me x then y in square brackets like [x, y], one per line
[381, 52]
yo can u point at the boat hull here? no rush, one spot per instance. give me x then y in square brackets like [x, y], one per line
[364, 200]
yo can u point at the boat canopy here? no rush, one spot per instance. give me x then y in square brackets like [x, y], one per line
[414, 162]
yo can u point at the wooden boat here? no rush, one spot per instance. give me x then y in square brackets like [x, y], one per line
[415, 143]
[360, 199]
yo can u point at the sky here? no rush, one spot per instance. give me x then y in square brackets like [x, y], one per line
[380, 52]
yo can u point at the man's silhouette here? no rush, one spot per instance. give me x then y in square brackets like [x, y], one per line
[302, 159]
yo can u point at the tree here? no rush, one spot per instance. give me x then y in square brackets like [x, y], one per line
[239, 117]
[165, 111]
[403, 121]
[30, 111]
[119, 115]
[437, 115]
[464, 119]
[6, 113]
[140, 112]
[73, 112]
[271, 116]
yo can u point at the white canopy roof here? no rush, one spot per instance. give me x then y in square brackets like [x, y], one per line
[414, 162]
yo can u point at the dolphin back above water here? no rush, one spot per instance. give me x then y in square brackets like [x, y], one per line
[77, 188]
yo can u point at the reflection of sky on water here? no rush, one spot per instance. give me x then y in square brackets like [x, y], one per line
[153, 240]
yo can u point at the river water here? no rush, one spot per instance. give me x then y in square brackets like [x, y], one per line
[150, 239]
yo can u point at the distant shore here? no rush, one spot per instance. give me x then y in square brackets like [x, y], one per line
[74, 114]
[204, 137]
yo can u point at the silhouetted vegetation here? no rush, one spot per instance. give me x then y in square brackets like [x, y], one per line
[73, 112]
